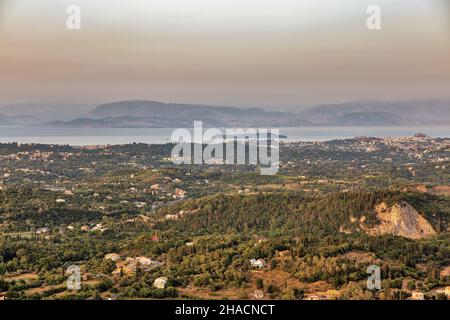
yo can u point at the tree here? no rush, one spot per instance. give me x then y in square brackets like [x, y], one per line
[259, 283]
[107, 266]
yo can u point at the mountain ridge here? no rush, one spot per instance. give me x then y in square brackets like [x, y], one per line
[155, 114]
[381, 113]
[143, 113]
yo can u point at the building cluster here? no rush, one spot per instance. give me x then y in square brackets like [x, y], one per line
[130, 265]
[98, 227]
[365, 152]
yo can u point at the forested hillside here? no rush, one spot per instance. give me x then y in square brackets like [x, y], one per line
[294, 213]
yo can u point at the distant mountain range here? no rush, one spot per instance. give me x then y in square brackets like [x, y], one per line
[153, 114]
[376, 113]
[43, 112]
[6, 120]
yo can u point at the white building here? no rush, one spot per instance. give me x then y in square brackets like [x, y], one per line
[172, 217]
[160, 282]
[42, 230]
[99, 227]
[260, 263]
[140, 204]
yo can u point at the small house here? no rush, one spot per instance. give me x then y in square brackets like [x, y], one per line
[260, 263]
[42, 230]
[160, 282]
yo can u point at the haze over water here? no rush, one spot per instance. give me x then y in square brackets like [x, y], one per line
[112, 136]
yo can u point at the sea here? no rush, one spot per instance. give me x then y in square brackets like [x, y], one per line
[115, 136]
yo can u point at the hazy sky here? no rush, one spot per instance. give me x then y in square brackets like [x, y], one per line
[229, 52]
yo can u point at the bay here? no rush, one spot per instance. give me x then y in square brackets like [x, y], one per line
[112, 136]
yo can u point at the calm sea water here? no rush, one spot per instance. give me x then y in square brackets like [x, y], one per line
[104, 136]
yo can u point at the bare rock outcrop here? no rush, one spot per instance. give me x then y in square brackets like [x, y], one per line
[401, 220]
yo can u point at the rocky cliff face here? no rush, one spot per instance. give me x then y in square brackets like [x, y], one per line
[402, 220]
